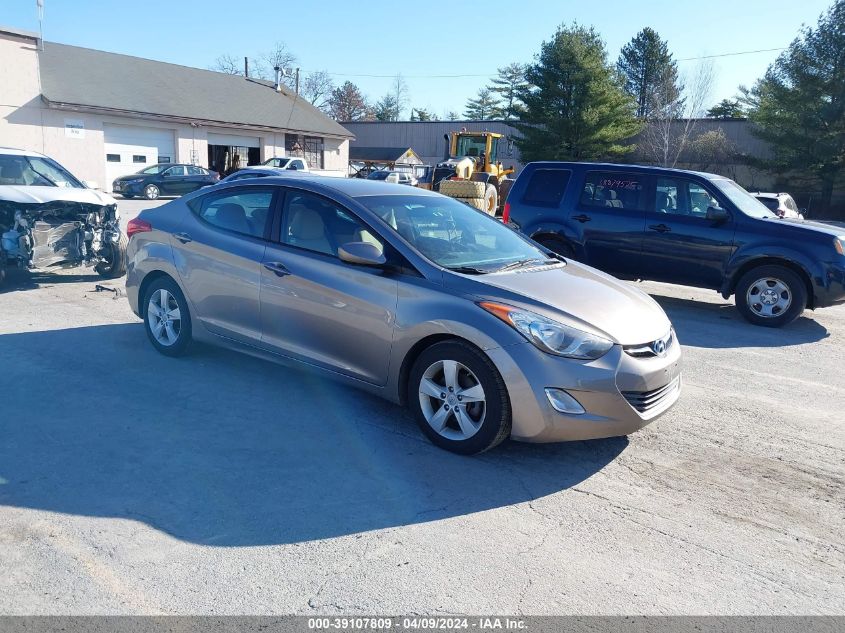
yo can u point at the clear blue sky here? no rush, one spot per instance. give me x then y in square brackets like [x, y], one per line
[417, 38]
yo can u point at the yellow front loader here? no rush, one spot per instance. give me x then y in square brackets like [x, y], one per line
[471, 171]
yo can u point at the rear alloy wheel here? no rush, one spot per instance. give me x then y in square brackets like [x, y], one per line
[771, 296]
[459, 399]
[151, 192]
[166, 317]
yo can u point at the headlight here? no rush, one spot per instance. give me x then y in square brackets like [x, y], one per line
[839, 245]
[551, 336]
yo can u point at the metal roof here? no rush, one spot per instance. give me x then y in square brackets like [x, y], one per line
[74, 76]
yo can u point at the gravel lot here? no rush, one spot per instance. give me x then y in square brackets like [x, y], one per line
[218, 483]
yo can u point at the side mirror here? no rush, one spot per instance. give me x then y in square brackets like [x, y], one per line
[717, 215]
[362, 253]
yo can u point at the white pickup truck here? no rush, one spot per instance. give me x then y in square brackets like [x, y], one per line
[287, 162]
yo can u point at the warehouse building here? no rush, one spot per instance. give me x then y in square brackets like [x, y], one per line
[104, 115]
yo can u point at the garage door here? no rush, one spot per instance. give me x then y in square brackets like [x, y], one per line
[130, 149]
[232, 140]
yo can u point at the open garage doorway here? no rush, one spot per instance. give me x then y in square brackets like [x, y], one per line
[228, 153]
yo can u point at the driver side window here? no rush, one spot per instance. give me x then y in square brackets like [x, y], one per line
[678, 196]
[316, 224]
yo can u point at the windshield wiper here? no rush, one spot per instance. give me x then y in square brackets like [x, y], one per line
[524, 262]
[466, 270]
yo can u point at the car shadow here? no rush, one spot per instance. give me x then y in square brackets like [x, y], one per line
[720, 325]
[223, 449]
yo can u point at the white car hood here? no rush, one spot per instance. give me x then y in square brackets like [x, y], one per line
[34, 195]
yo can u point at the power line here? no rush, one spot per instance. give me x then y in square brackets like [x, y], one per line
[466, 76]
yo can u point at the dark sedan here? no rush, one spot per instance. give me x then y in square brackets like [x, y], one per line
[164, 179]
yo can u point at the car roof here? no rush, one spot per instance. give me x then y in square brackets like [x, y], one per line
[351, 187]
[625, 167]
[13, 151]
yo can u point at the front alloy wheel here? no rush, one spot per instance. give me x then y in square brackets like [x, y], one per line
[452, 400]
[459, 399]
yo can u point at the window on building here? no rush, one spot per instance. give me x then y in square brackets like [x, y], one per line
[164, 159]
[113, 158]
[546, 187]
[314, 151]
[138, 158]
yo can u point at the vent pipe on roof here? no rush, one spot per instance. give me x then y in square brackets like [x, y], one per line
[278, 86]
[246, 66]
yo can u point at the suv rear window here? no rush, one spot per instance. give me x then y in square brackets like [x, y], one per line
[614, 190]
[546, 187]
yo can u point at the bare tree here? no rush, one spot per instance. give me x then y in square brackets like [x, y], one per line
[228, 64]
[280, 55]
[401, 97]
[674, 116]
[317, 88]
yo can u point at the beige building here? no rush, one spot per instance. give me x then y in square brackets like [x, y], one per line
[104, 115]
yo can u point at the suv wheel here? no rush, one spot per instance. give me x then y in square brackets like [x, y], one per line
[166, 317]
[771, 296]
[459, 399]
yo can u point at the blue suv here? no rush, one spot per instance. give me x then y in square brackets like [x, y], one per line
[681, 227]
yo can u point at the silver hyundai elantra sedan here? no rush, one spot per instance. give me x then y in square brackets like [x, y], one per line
[411, 295]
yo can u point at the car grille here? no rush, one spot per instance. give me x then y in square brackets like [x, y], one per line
[647, 401]
[659, 347]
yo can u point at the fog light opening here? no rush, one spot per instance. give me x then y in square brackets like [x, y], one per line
[563, 402]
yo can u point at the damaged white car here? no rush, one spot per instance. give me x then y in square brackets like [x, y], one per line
[50, 219]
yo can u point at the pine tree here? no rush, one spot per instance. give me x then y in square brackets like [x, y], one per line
[509, 82]
[799, 105]
[485, 106]
[576, 107]
[650, 72]
[726, 109]
[387, 109]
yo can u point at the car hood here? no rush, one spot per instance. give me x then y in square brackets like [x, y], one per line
[37, 195]
[591, 299]
[833, 230]
[132, 177]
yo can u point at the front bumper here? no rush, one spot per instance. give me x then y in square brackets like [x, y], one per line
[830, 291]
[133, 189]
[610, 389]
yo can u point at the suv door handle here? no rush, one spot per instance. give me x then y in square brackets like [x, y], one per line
[660, 228]
[582, 218]
[277, 268]
[183, 237]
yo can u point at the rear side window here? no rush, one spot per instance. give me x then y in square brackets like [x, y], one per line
[614, 190]
[244, 211]
[546, 187]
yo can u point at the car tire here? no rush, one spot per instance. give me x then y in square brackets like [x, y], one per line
[165, 291]
[557, 245]
[152, 192]
[116, 266]
[447, 417]
[771, 296]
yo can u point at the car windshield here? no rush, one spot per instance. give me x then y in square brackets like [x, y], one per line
[35, 171]
[743, 200]
[155, 169]
[278, 162]
[454, 235]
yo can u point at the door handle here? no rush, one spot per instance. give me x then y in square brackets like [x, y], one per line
[660, 228]
[582, 218]
[277, 268]
[183, 237]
